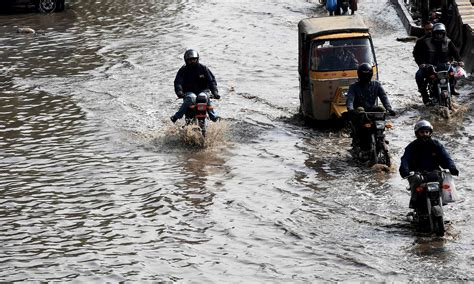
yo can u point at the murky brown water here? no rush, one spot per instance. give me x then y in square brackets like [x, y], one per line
[96, 185]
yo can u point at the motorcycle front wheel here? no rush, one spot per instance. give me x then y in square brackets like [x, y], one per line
[382, 152]
[438, 225]
[384, 158]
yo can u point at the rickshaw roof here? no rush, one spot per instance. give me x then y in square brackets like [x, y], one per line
[331, 25]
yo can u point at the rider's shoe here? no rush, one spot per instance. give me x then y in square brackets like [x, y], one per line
[455, 93]
[215, 119]
[173, 118]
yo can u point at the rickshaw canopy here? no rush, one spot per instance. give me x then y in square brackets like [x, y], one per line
[313, 27]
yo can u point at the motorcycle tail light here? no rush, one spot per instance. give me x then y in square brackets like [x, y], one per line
[451, 73]
[445, 94]
[446, 186]
[433, 77]
[419, 189]
[210, 107]
[192, 106]
[367, 125]
[388, 125]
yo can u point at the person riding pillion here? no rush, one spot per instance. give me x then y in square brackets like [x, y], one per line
[363, 95]
[424, 155]
[194, 79]
[436, 50]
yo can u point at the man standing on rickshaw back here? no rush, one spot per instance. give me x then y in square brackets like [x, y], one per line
[424, 155]
[362, 96]
[191, 80]
[436, 50]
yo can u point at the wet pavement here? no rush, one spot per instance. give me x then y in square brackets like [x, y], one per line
[97, 185]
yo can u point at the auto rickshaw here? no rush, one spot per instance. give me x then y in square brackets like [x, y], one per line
[330, 51]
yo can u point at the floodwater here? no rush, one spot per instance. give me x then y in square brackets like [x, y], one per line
[96, 185]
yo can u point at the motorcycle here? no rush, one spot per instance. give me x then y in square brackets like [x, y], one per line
[370, 144]
[430, 192]
[196, 114]
[440, 80]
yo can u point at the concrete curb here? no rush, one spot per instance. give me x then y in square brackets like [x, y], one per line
[406, 18]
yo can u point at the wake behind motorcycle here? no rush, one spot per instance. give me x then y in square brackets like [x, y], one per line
[370, 144]
[430, 191]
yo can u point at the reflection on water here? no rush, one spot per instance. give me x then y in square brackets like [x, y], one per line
[97, 186]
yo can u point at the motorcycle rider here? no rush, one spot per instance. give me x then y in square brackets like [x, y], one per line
[362, 95]
[191, 80]
[423, 155]
[435, 50]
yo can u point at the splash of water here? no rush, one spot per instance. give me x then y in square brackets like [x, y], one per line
[189, 136]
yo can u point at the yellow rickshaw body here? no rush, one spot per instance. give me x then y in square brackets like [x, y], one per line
[330, 50]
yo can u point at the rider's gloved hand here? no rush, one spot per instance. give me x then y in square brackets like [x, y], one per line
[415, 179]
[216, 95]
[454, 172]
[180, 94]
[392, 112]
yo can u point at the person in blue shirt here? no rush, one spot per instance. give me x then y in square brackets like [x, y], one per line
[424, 155]
[363, 95]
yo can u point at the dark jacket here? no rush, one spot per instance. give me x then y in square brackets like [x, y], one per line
[418, 49]
[425, 157]
[195, 79]
[365, 95]
[436, 53]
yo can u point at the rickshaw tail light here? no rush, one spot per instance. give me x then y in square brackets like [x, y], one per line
[367, 125]
[419, 189]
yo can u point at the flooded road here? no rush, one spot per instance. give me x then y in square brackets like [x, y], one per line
[96, 185]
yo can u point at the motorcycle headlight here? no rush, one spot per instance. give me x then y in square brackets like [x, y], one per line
[443, 81]
[433, 186]
[380, 124]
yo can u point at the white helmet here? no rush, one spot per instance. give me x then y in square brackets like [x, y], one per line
[191, 54]
[423, 125]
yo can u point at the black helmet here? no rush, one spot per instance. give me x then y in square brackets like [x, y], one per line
[423, 125]
[439, 32]
[191, 54]
[365, 72]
